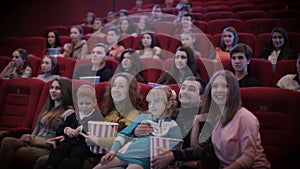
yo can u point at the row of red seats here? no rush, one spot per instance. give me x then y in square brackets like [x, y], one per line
[153, 68]
[217, 22]
[226, 6]
[206, 42]
[21, 100]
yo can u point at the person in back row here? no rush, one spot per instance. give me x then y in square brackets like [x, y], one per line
[49, 69]
[98, 65]
[240, 56]
[183, 65]
[18, 67]
[291, 81]
[279, 47]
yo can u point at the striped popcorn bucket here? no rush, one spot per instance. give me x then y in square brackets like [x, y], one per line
[167, 143]
[102, 129]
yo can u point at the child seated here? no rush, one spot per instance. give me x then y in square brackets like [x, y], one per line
[74, 147]
[135, 152]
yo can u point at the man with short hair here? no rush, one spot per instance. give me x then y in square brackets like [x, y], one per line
[240, 56]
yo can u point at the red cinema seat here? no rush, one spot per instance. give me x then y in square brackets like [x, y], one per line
[35, 64]
[294, 42]
[277, 111]
[66, 66]
[202, 25]
[126, 41]
[197, 15]
[243, 7]
[213, 8]
[62, 29]
[267, 6]
[217, 26]
[283, 68]
[250, 14]
[206, 68]
[283, 14]
[258, 68]
[64, 39]
[4, 60]
[262, 41]
[151, 69]
[292, 24]
[218, 15]
[261, 25]
[9, 44]
[34, 45]
[214, 3]
[18, 103]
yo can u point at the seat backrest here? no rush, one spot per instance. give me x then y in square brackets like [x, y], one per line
[262, 41]
[34, 45]
[292, 24]
[283, 13]
[250, 14]
[9, 44]
[4, 60]
[217, 26]
[18, 103]
[66, 66]
[283, 68]
[35, 64]
[278, 112]
[151, 68]
[243, 7]
[261, 25]
[218, 15]
[62, 29]
[206, 68]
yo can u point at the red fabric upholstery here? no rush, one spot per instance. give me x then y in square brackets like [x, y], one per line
[206, 68]
[64, 39]
[266, 6]
[4, 60]
[292, 24]
[250, 14]
[261, 25]
[9, 44]
[34, 45]
[278, 113]
[35, 64]
[283, 13]
[218, 15]
[151, 69]
[66, 66]
[243, 7]
[262, 41]
[217, 26]
[218, 7]
[260, 69]
[62, 29]
[18, 103]
[294, 42]
[283, 68]
[202, 25]
[126, 41]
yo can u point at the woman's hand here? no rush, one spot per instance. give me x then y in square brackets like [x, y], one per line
[108, 157]
[157, 50]
[11, 64]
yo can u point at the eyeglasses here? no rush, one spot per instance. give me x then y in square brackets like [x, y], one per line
[277, 37]
[237, 57]
[180, 56]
